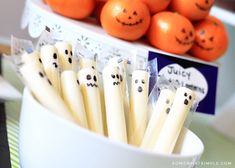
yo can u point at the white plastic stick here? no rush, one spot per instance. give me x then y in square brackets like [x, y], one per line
[72, 96]
[170, 131]
[114, 104]
[43, 91]
[138, 106]
[49, 57]
[91, 96]
[159, 115]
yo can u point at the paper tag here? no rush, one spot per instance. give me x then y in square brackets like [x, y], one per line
[19, 46]
[45, 38]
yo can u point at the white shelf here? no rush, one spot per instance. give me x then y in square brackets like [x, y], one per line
[37, 15]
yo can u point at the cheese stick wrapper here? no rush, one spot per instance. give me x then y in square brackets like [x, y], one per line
[159, 115]
[114, 104]
[122, 65]
[87, 63]
[72, 96]
[91, 96]
[32, 58]
[170, 131]
[138, 106]
[43, 91]
[65, 55]
[49, 57]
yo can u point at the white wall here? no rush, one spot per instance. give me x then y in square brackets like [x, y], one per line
[10, 17]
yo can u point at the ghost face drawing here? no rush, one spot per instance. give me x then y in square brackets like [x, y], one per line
[49, 57]
[88, 78]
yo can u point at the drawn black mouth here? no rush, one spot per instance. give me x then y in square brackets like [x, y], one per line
[183, 43]
[201, 47]
[202, 8]
[55, 64]
[129, 24]
[140, 89]
[186, 102]
[116, 83]
[92, 85]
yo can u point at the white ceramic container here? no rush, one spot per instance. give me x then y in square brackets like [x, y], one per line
[47, 141]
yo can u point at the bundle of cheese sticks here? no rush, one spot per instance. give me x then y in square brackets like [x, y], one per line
[99, 100]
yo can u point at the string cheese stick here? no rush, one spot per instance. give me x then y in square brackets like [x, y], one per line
[65, 55]
[87, 63]
[49, 57]
[32, 58]
[122, 65]
[170, 131]
[73, 97]
[91, 96]
[159, 115]
[43, 90]
[138, 106]
[114, 104]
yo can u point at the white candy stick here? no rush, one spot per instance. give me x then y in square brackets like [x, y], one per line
[91, 96]
[138, 106]
[72, 96]
[159, 115]
[87, 63]
[32, 58]
[114, 104]
[43, 91]
[49, 57]
[65, 55]
[170, 131]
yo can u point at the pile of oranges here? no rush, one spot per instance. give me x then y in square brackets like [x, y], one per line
[175, 26]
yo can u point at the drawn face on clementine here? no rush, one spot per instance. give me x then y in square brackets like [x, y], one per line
[125, 20]
[211, 40]
[185, 37]
[129, 18]
[171, 32]
[192, 9]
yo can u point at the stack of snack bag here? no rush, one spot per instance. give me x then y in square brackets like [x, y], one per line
[94, 94]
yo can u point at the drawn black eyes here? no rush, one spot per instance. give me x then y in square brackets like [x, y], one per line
[113, 76]
[55, 56]
[88, 77]
[78, 82]
[66, 52]
[135, 13]
[49, 82]
[183, 30]
[185, 94]
[71, 53]
[40, 60]
[190, 97]
[124, 10]
[167, 101]
[121, 79]
[142, 81]
[191, 34]
[95, 79]
[211, 39]
[41, 74]
[93, 67]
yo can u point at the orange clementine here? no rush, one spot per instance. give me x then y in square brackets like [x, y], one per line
[211, 40]
[76, 9]
[192, 9]
[171, 32]
[156, 5]
[125, 19]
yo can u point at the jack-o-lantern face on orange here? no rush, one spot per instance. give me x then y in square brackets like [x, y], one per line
[192, 9]
[171, 32]
[211, 39]
[125, 19]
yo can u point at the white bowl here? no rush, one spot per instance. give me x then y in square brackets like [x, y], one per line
[47, 141]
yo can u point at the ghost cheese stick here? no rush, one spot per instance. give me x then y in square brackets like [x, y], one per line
[73, 97]
[159, 115]
[122, 64]
[42, 89]
[91, 96]
[65, 55]
[87, 63]
[49, 57]
[170, 131]
[32, 58]
[138, 106]
[114, 104]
